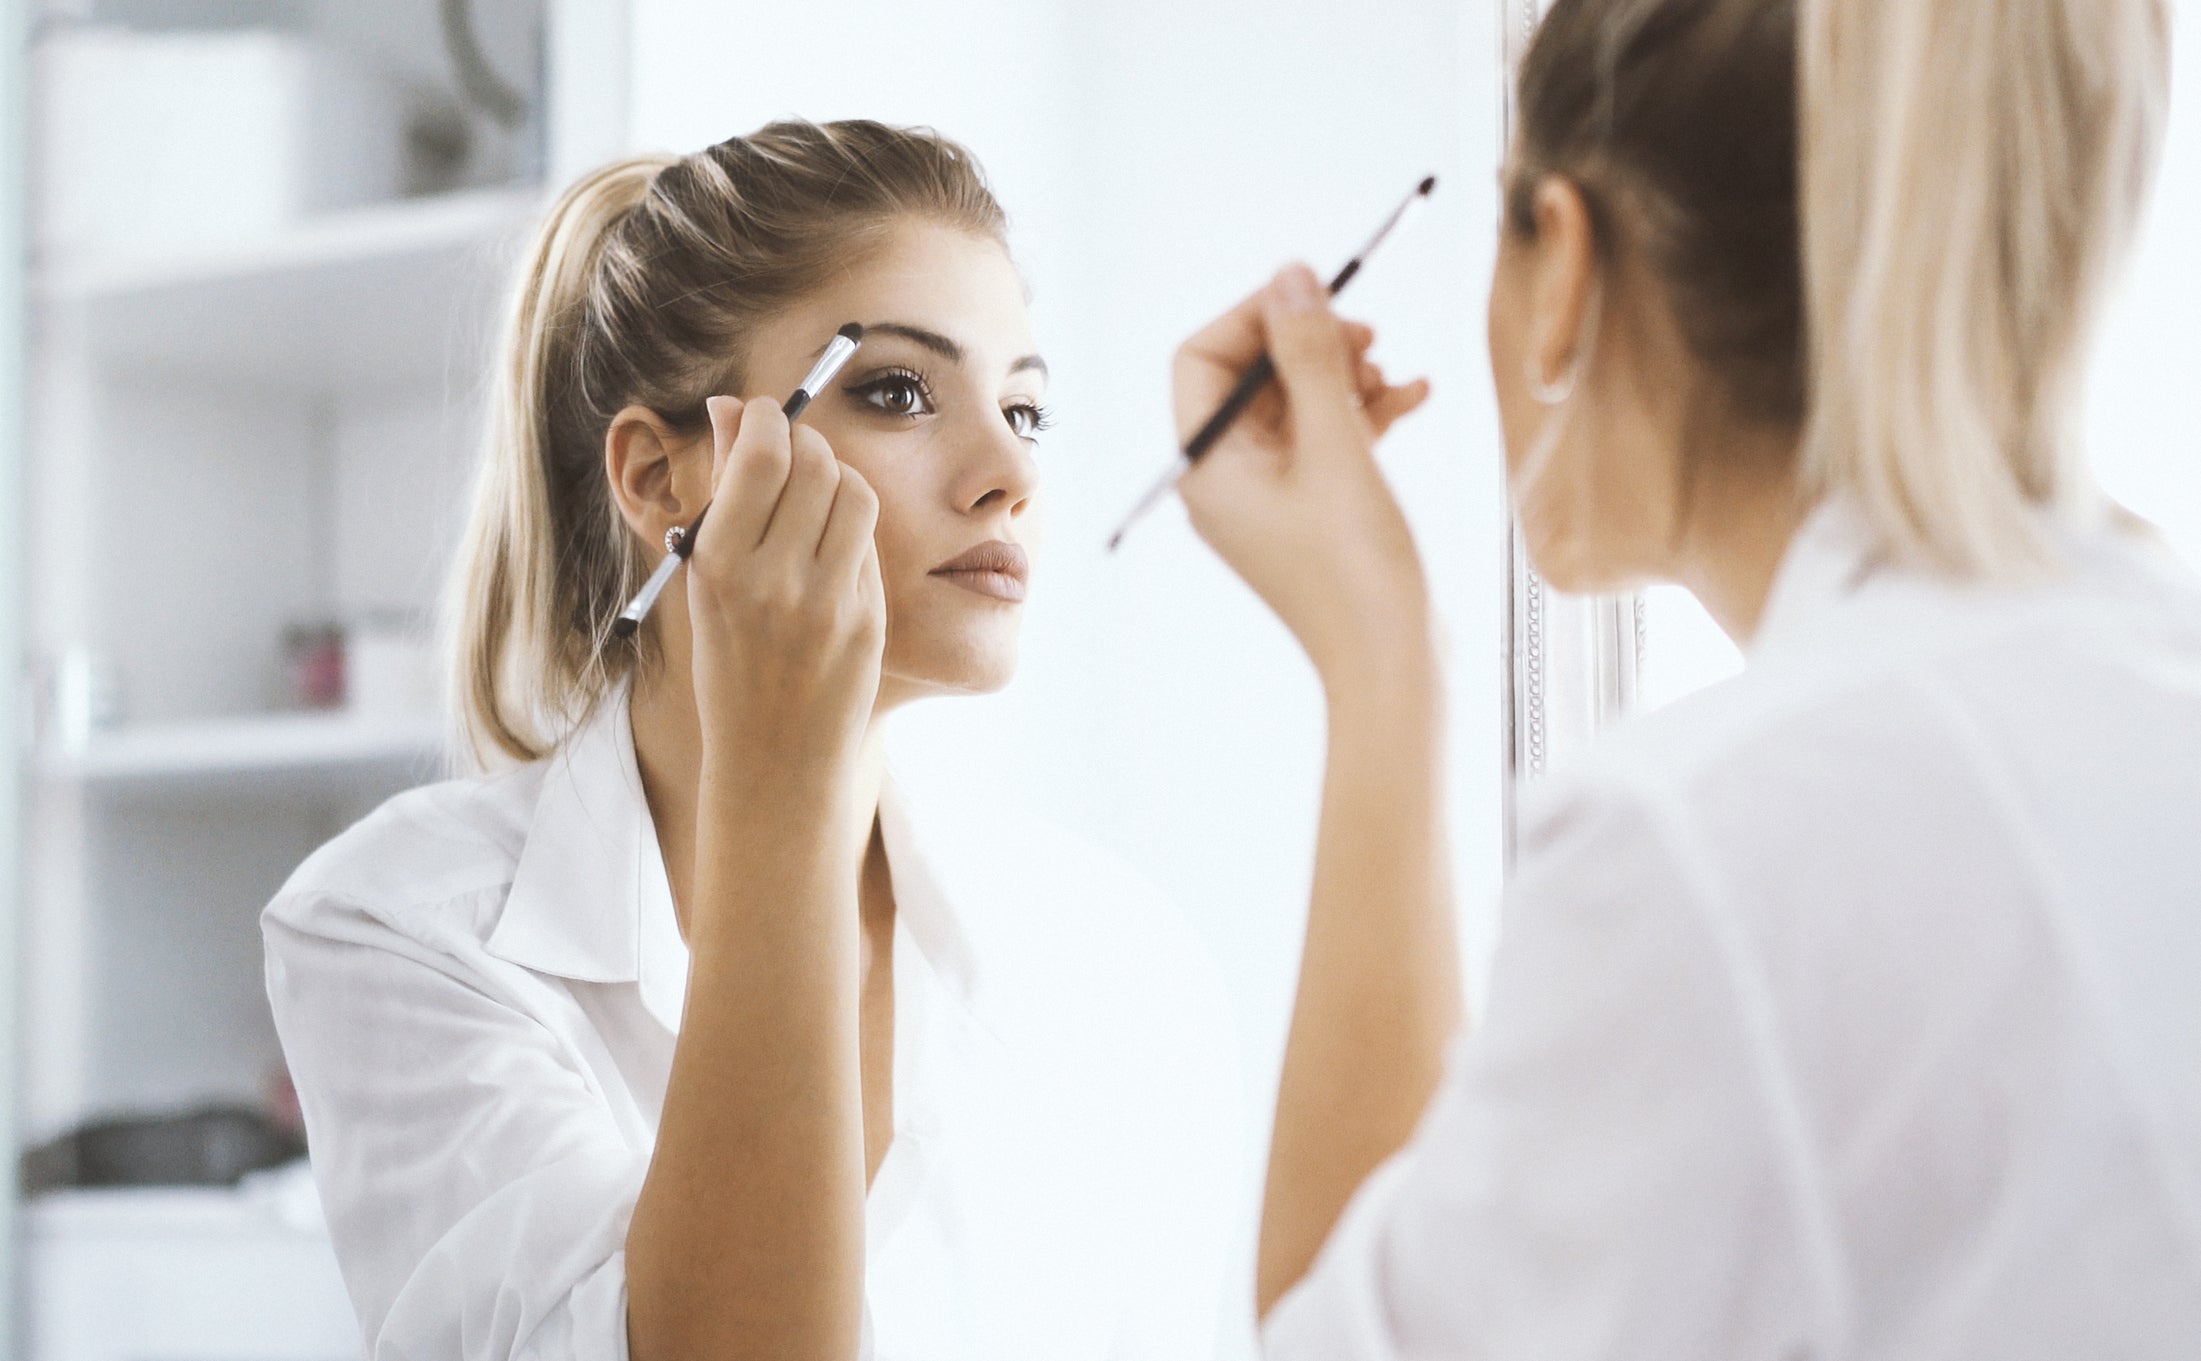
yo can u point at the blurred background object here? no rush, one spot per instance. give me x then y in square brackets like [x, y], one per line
[266, 241]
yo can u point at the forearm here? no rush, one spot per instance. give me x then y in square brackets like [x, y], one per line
[1379, 990]
[747, 1239]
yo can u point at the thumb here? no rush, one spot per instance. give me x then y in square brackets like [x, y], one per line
[1313, 362]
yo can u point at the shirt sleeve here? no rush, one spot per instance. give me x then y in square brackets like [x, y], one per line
[476, 1185]
[1607, 1169]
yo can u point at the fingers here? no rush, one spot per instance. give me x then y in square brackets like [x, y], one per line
[1315, 363]
[1386, 408]
[847, 541]
[813, 475]
[752, 471]
[1232, 341]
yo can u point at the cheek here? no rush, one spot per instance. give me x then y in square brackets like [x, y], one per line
[902, 542]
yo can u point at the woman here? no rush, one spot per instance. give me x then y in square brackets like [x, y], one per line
[1847, 1010]
[685, 1034]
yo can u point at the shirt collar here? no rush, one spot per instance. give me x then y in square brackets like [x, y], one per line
[921, 900]
[1833, 554]
[590, 899]
[574, 908]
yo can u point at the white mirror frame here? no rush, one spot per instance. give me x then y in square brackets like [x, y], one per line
[15, 30]
[1571, 662]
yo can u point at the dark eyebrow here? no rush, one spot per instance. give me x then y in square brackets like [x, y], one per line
[942, 346]
[931, 340]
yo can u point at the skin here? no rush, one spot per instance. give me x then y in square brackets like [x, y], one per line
[811, 610]
[1643, 473]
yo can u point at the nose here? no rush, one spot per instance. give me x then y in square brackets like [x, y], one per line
[999, 472]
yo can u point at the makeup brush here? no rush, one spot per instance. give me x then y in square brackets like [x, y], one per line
[679, 540]
[1259, 376]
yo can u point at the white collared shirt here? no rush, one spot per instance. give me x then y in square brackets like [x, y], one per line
[1851, 1009]
[478, 989]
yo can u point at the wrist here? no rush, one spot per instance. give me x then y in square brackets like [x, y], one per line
[776, 786]
[1389, 664]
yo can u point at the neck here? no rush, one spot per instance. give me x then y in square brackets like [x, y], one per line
[668, 750]
[1739, 529]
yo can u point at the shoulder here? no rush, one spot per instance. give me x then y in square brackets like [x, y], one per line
[412, 863]
[1877, 789]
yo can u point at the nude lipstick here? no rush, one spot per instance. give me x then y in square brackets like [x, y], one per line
[997, 569]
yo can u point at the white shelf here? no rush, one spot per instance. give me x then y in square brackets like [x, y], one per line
[274, 754]
[390, 294]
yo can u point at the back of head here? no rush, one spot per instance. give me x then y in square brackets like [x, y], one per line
[1676, 121]
[1888, 224]
[640, 288]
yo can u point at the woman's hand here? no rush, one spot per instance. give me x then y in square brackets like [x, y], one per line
[788, 612]
[1293, 500]
[747, 1238]
[1291, 497]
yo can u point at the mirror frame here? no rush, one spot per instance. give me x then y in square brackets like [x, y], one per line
[1571, 662]
[15, 35]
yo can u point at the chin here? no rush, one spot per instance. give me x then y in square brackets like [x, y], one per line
[962, 666]
[1572, 566]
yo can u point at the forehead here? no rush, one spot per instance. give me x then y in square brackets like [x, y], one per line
[941, 279]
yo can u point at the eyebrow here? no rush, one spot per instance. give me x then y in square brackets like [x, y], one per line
[944, 347]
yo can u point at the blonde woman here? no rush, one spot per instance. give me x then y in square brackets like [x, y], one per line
[1848, 1010]
[682, 1033]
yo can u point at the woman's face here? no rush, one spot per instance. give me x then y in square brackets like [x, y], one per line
[940, 411]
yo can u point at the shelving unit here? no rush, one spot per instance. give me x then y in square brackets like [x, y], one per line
[372, 297]
[225, 440]
[229, 439]
[276, 754]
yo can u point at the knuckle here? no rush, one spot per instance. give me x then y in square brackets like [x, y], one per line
[764, 457]
[775, 596]
[867, 620]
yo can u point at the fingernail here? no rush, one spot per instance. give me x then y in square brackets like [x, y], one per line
[1297, 284]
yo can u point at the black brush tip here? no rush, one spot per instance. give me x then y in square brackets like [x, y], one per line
[1427, 185]
[623, 627]
[854, 331]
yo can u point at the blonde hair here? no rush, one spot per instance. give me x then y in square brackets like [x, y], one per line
[641, 287]
[1888, 223]
[1971, 172]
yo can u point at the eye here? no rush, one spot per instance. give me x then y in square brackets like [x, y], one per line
[1027, 419]
[896, 393]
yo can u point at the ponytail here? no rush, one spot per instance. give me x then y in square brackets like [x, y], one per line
[512, 591]
[1971, 172]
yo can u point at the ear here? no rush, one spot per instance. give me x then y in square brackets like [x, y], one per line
[1564, 279]
[659, 477]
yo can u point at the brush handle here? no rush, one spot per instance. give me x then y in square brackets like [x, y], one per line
[1250, 384]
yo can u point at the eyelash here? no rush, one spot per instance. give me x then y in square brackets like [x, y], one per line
[1035, 417]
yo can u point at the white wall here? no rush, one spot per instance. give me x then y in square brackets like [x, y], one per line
[2144, 417]
[1159, 160]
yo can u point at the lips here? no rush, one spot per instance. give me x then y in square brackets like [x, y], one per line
[997, 569]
